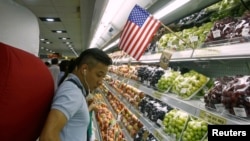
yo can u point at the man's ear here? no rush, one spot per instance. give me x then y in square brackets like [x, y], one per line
[84, 67]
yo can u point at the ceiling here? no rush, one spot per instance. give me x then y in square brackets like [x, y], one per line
[80, 18]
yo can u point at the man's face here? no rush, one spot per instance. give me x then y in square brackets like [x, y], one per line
[95, 75]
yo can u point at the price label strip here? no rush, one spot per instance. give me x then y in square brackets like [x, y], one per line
[211, 118]
[158, 135]
[157, 95]
[136, 85]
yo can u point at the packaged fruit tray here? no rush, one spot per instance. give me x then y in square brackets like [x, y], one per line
[223, 42]
[175, 123]
[192, 95]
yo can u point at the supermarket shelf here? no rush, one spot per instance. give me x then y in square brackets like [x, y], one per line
[152, 128]
[226, 51]
[193, 107]
[124, 130]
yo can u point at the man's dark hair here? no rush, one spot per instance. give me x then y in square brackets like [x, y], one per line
[90, 57]
[54, 61]
[64, 65]
[93, 56]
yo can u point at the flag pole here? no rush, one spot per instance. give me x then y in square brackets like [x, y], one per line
[176, 35]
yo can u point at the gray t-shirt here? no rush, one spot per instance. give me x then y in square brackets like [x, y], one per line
[70, 100]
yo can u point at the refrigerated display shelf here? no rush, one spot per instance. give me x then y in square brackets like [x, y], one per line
[124, 130]
[194, 107]
[227, 51]
[152, 127]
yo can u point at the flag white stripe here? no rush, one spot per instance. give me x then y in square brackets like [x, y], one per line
[146, 29]
[151, 30]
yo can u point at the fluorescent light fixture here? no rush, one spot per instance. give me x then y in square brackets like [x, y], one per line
[170, 8]
[50, 20]
[42, 39]
[59, 31]
[67, 43]
[112, 7]
[64, 38]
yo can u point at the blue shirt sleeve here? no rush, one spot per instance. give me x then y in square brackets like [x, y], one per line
[68, 99]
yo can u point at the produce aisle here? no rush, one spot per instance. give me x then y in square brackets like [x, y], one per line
[207, 83]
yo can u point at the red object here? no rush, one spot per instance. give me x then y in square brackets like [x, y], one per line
[26, 92]
[138, 32]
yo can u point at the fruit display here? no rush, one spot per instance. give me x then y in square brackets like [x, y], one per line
[175, 122]
[124, 70]
[129, 121]
[194, 19]
[212, 99]
[230, 29]
[227, 8]
[149, 75]
[109, 129]
[130, 93]
[236, 96]
[188, 84]
[153, 109]
[195, 131]
[166, 81]
[144, 135]
[195, 35]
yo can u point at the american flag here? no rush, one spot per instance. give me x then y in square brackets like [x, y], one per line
[138, 32]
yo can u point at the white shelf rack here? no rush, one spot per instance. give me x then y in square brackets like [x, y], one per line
[241, 50]
[152, 128]
[193, 107]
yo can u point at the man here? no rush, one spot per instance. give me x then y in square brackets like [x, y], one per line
[55, 71]
[69, 118]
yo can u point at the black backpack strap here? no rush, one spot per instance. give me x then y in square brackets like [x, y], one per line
[79, 86]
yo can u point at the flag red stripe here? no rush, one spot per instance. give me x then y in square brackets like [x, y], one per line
[154, 25]
[154, 29]
[143, 41]
[123, 35]
[132, 35]
[140, 38]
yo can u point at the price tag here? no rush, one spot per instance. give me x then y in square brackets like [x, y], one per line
[247, 98]
[241, 112]
[219, 107]
[245, 32]
[158, 135]
[159, 121]
[164, 60]
[193, 38]
[183, 90]
[211, 118]
[216, 33]
[119, 117]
